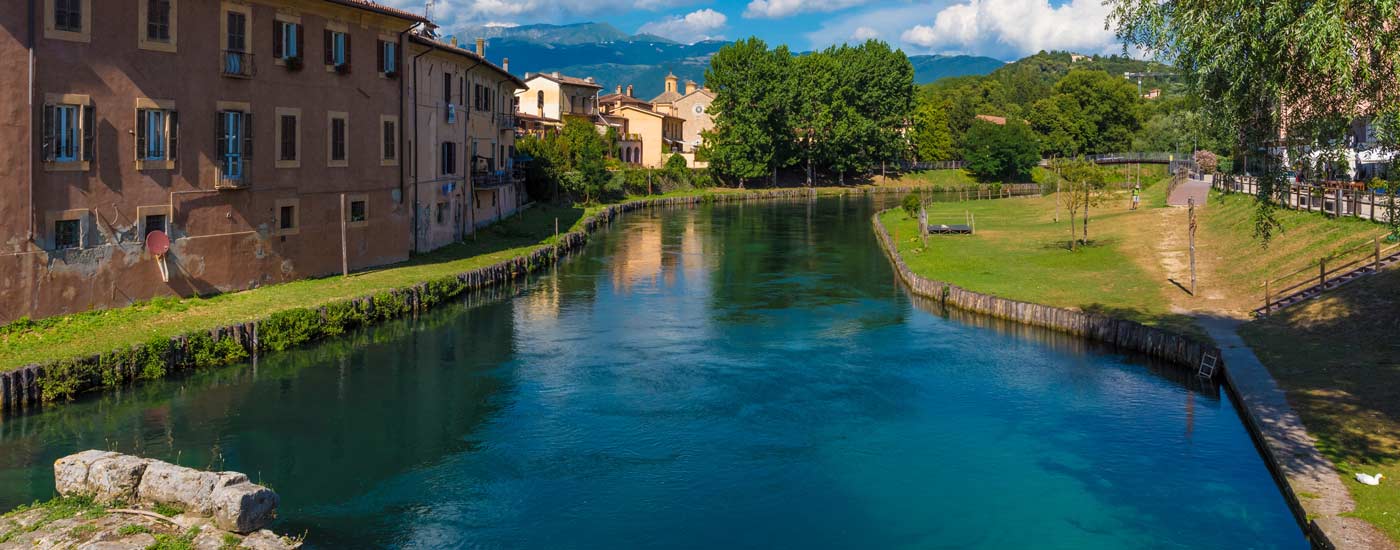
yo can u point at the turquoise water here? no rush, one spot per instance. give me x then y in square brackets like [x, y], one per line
[731, 376]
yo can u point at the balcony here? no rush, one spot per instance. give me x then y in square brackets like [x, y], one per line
[487, 181]
[505, 121]
[232, 174]
[238, 64]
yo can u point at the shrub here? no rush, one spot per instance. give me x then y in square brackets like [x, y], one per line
[287, 329]
[911, 204]
[206, 352]
[152, 357]
[66, 378]
[390, 305]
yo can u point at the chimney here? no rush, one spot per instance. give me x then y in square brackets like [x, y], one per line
[555, 75]
[619, 89]
[454, 41]
[481, 47]
[689, 87]
[505, 64]
[629, 90]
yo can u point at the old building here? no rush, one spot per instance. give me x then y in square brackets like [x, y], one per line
[461, 140]
[693, 107]
[553, 96]
[259, 135]
[648, 136]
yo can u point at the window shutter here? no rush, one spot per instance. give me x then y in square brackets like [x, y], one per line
[277, 39]
[301, 41]
[330, 47]
[221, 134]
[48, 143]
[347, 52]
[172, 133]
[89, 131]
[379, 56]
[141, 134]
[398, 58]
[248, 135]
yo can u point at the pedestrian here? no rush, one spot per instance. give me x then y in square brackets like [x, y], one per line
[1136, 197]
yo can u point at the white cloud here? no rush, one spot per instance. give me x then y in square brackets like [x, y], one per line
[1015, 28]
[455, 13]
[774, 9]
[690, 28]
[862, 34]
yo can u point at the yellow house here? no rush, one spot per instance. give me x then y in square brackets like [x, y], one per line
[693, 107]
[659, 134]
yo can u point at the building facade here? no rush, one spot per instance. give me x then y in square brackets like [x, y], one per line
[461, 140]
[692, 107]
[263, 137]
[553, 96]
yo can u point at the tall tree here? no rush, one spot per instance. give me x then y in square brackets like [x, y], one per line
[753, 97]
[933, 139]
[1105, 107]
[1001, 152]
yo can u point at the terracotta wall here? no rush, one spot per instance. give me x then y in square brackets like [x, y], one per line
[223, 240]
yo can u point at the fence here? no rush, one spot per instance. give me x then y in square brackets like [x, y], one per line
[1335, 200]
[1332, 270]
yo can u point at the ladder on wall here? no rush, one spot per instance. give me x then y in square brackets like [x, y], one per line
[1209, 363]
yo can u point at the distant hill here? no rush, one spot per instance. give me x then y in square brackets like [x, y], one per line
[615, 58]
[928, 68]
[1031, 78]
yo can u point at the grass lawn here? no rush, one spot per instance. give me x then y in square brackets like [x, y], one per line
[93, 332]
[1339, 360]
[1021, 253]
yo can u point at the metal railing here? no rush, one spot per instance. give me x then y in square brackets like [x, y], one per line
[238, 64]
[495, 179]
[505, 121]
[232, 174]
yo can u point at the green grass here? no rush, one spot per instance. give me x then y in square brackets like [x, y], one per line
[942, 178]
[1020, 253]
[1339, 360]
[182, 541]
[132, 529]
[167, 510]
[52, 510]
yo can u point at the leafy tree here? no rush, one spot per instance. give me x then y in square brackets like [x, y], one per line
[753, 97]
[1001, 152]
[676, 170]
[1104, 108]
[583, 150]
[933, 139]
[1083, 184]
[1270, 65]
[1060, 124]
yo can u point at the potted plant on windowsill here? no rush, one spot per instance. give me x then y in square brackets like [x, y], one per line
[293, 63]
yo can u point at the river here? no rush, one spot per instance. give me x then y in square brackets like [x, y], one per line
[736, 376]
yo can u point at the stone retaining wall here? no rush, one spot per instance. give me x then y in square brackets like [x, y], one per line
[23, 389]
[1121, 333]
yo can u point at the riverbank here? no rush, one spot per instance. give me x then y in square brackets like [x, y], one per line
[69, 355]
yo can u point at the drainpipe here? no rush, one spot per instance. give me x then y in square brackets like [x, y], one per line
[31, 150]
[403, 47]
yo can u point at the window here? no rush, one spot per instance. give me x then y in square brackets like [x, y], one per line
[68, 123]
[442, 212]
[288, 217]
[158, 20]
[358, 213]
[388, 58]
[238, 60]
[68, 15]
[338, 50]
[153, 222]
[337, 130]
[447, 87]
[288, 138]
[539, 98]
[449, 158]
[476, 94]
[235, 146]
[157, 131]
[67, 234]
[389, 140]
[287, 43]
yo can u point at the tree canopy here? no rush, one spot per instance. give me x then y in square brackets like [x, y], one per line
[1001, 152]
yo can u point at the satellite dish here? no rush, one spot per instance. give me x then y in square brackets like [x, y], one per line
[157, 243]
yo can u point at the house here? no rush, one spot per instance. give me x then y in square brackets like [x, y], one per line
[461, 140]
[256, 135]
[692, 107]
[552, 96]
[997, 120]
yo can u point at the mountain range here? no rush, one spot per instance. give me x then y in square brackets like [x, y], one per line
[615, 58]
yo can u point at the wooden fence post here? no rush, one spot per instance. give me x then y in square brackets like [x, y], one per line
[1377, 265]
[1267, 299]
[1321, 274]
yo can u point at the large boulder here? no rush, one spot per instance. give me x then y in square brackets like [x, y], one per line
[188, 488]
[243, 507]
[115, 478]
[70, 473]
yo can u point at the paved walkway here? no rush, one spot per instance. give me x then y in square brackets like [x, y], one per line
[1190, 189]
[1306, 469]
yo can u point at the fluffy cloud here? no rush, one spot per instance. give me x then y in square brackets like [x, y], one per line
[690, 28]
[773, 9]
[454, 13]
[862, 34]
[1014, 28]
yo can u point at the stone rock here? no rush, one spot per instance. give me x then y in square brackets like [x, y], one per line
[187, 488]
[243, 507]
[267, 540]
[115, 478]
[70, 473]
[138, 541]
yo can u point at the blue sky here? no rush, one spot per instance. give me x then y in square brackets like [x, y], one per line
[1005, 29]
